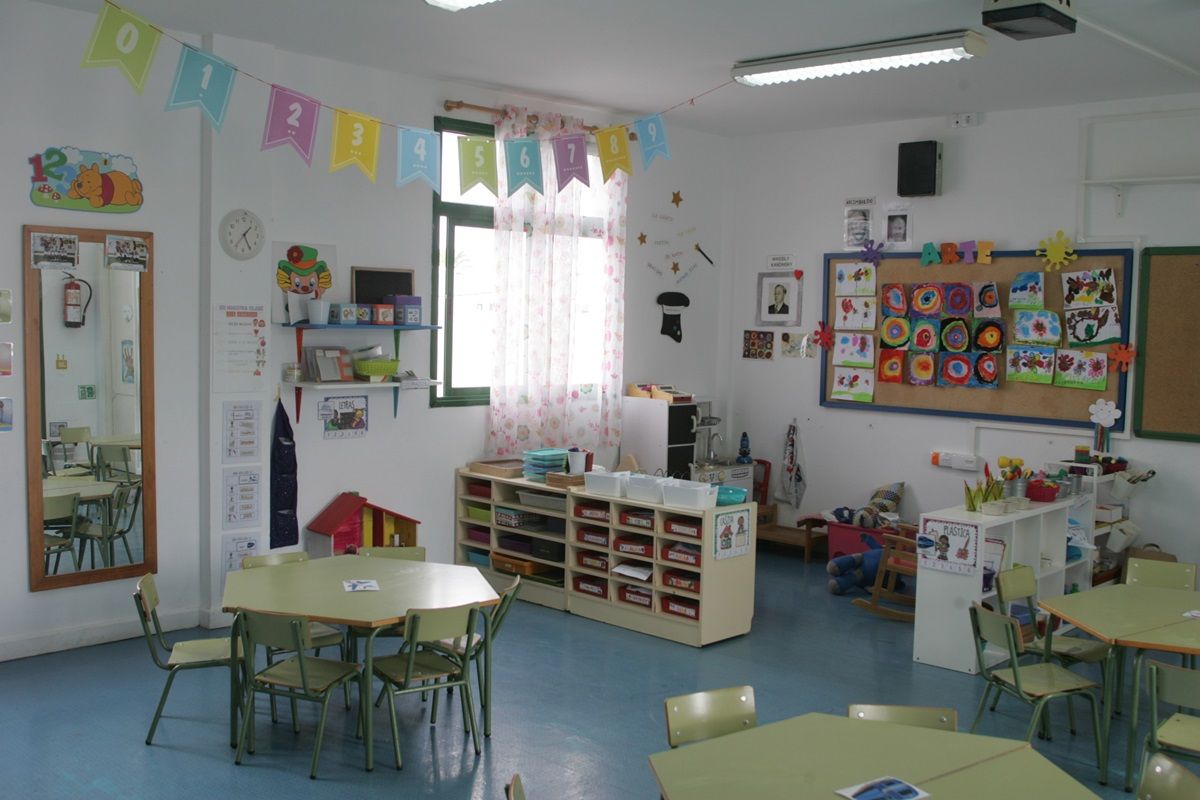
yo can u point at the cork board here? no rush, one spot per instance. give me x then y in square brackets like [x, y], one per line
[1167, 404]
[1012, 401]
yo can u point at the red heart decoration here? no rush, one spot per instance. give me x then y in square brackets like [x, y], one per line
[799, 273]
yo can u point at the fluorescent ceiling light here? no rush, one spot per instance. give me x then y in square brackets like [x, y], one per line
[456, 5]
[933, 49]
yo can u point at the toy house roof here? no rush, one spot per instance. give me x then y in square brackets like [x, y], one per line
[343, 507]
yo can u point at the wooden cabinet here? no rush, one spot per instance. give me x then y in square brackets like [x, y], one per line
[678, 573]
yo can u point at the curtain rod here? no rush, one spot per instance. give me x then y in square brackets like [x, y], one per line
[455, 105]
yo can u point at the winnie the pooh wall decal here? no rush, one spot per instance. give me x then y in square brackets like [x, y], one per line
[85, 180]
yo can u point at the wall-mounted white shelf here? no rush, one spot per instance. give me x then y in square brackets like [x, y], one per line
[1120, 186]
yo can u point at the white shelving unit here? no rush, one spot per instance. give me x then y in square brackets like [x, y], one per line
[1097, 489]
[1036, 537]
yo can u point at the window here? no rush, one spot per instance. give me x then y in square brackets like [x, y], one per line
[464, 280]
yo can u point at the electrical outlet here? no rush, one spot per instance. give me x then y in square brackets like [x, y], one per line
[969, 119]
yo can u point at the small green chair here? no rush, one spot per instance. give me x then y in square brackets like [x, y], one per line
[125, 501]
[1179, 735]
[62, 527]
[1161, 574]
[402, 553]
[1164, 779]
[515, 790]
[298, 677]
[1034, 684]
[942, 719]
[113, 462]
[418, 668]
[703, 715]
[183, 655]
[70, 439]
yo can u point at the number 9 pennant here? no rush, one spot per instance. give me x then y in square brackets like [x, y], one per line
[124, 40]
[419, 155]
[523, 159]
[652, 136]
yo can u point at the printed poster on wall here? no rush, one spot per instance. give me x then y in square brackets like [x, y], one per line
[948, 546]
[733, 534]
[240, 431]
[343, 417]
[240, 498]
[239, 347]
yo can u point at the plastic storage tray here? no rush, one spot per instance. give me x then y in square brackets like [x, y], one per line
[517, 544]
[483, 490]
[678, 579]
[596, 536]
[682, 607]
[684, 526]
[590, 560]
[512, 518]
[481, 535]
[645, 488]
[634, 545]
[637, 518]
[607, 483]
[681, 553]
[587, 511]
[597, 587]
[553, 502]
[478, 558]
[689, 494]
[635, 596]
[480, 513]
[548, 551]
[519, 566]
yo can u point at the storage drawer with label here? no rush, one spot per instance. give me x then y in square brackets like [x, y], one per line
[681, 553]
[681, 607]
[596, 587]
[634, 545]
[592, 560]
[596, 536]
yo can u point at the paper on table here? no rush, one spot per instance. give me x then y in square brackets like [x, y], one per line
[883, 789]
[361, 585]
[1193, 614]
[637, 571]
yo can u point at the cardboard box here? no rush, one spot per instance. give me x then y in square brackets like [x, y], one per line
[1110, 512]
[1151, 552]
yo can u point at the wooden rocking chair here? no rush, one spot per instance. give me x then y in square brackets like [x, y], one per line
[899, 559]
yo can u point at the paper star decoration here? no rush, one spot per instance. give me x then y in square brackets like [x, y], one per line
[674, 266]
[676, 198]
[1104, 413]
[823, 336]
[641, 238]
[872, 252]
[1122, 356]
[1057, 252]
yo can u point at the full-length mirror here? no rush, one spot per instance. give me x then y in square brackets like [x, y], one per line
[89, 404]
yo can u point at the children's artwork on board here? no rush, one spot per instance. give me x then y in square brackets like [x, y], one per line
[758, 344]
[855, 280]
[955, 369]
[921, 367]
[1089, 287]
[1030, 364]
[71, 179]
[1037, 327]
[986, 374]
[987, 300]
[894, 332]
[857, 385]
[989, 336]
[891, 366]
[796, 345]
[893, 300]
[948, 546]
[928, 299]
[959, 299]
[926, 335]
[855, 314]
[854, 350]
[302, 272]
[344, 417]
[1028, 291]
[1081, 369]
[1093, 325]
[955, 335]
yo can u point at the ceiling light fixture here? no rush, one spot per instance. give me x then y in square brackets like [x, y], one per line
[933, 49]
[457, 5]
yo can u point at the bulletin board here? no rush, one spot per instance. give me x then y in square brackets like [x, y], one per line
[1166, 406]
[1012, 401]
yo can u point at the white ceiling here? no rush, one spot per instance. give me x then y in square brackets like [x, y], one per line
[642, 56]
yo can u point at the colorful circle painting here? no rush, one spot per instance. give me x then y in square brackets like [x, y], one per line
[989, 335]
[925, 335]
[895, 331]
[893, 300]
[955, 369]
[891, 367]
[959, 299]
[920, 369]
[955, 336]
[928, 299]
[987, 369]
[986, 297]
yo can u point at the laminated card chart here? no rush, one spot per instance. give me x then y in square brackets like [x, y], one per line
[240, 431]
[239, 347]
[241, 498]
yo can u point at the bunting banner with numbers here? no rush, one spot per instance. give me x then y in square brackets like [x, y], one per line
[419, 155]
[291, 119]
[122, 39]
[477, 163]
[652, 136]
[570, 159]
[613, 146]
[202, 79]
[355, 141]
[523, 160]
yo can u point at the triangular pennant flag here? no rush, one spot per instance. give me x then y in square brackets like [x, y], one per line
[291, 119]
[523, 160]
[202, 79]
[477, 163]
[419, 155]
[570, 159]
[355, 141]
[125, 40]
[652, 136]
[613, 146]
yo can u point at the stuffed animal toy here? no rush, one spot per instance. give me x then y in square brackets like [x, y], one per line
[856, 569]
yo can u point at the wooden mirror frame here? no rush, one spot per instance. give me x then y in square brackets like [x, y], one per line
[34, 379]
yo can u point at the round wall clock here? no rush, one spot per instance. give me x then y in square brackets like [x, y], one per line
[242, 234]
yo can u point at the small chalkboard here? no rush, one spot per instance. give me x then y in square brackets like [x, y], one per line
[371, 284]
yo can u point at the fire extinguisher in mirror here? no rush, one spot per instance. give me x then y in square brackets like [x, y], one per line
[75, 312]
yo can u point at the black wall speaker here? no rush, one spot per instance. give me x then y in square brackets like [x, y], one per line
[920, 169]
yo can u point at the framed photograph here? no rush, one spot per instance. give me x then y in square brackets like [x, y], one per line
[54, 250]
[371, 284]
[779, 299]
[897, 228]
[126, 252]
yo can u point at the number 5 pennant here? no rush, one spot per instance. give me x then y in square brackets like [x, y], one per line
[419, 155]
[124, 40]
[523, 159]
[355, 141]
[477, 163]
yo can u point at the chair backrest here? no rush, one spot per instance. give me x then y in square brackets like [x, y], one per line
[402, 553]
[988, 627]
[703, 715]
[125, 505]
[515, 790]
[1018, 583]
[945, 719]
[83, 433]
[145, 597]
[431, 625]
[1161, 574]
[274, 559]
[1166, 779]
[60, 507]
[47, 458]
[278, 631]
[500, 612]
[1171, 685]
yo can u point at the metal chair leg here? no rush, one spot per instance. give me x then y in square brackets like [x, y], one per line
[162, 701]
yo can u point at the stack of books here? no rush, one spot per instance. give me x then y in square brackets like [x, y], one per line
[538, 462]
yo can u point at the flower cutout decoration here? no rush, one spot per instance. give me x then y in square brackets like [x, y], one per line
[1057, 252]
[1104, 413]
[823, 336]
[872, 252]
[1122, 356]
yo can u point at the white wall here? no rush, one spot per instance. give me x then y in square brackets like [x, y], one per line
[1013, 179]
[51, 101]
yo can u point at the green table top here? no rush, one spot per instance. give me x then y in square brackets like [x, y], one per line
[314, 589]
[1179, 637]
[1122, 613]
[87, 487]
[813, 755]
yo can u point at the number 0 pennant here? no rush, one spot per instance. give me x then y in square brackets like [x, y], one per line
[291, 119]
[613, 145]
[652, 136]
[355, 141]
[124, 40]
[523, 159]
[477, 163]
[419, 155]
[202, 79]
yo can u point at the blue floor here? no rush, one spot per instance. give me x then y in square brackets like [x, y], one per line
[578, 710]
